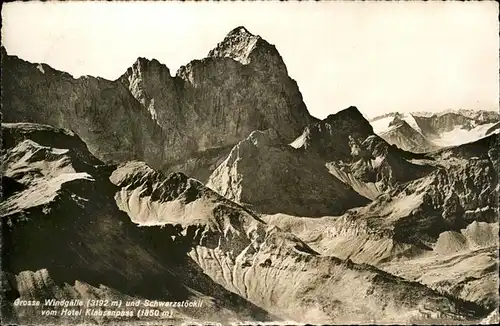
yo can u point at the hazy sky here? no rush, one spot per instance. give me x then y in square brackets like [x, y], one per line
[378, 56]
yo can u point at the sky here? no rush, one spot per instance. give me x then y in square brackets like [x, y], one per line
[378, 56]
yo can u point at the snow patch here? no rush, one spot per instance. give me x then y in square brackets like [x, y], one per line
[300, 141]
[40, 67]
[377, 161]
[381, 125]
[459, 136]
[411, 121]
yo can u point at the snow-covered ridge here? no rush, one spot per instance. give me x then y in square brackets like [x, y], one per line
[469, 113]
[434, 130]
[460, 135]
[383, 123]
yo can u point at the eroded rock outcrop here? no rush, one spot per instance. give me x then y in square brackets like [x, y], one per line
[192, 244]
[269, 176]
[67, 239]
[185, 122]
[256, 260]
[439, 223]
[353, 153]
[401, 134]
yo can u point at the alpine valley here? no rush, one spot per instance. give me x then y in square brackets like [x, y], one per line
[217, 186]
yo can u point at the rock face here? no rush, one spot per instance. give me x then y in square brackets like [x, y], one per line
[331, 137]
[65, 235]
[401, 134]
[68, 226]
[272, 177]
[449, 120]
[102, 112]
[281, 217]
[416, 199]
[425, 132]
[354, 154]
[250, 258]
[425, 229]
[209, 106]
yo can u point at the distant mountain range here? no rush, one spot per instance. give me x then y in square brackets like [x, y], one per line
[424, 131]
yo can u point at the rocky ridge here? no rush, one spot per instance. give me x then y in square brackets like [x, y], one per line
[207, 107]
[407, 138]
[238, 250]
[426, 132]
[269, 176]
[67, 239]
[338, 225]
[346, 143]
[187, 232]
[450, 211]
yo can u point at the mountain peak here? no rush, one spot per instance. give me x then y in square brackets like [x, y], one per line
[245, 47]
[350, 113]
[240, 30]
[145, 64]
[329, 137]
[397, 120]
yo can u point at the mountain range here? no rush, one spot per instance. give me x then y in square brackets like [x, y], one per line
[187, 121]
[217, 186]
[421, 132]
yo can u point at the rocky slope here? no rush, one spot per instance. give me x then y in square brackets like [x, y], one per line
[184, 122]
[403, 135]
[68, 224]
[424, 132]
[64, 237]
[423, 224]
[247, 256]
[269, 176]
[461, 188]
[342, 224]
[102, 112]
[463, 263]
[346, 143]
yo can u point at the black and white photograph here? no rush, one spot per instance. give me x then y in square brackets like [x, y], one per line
[249, 163]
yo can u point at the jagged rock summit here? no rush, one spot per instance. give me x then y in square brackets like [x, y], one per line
[402, 134]
[186, 122]
[346, 143]
[245, 47]
[330, 136]
[238, 45]
[68, 239]
[273, 177]
[240, 239]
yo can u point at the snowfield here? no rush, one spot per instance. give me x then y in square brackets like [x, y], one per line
[461, 136]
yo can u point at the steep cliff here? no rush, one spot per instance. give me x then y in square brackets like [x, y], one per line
[424, 229]
[63, 237]
[68, 226]
[272, 177]
[102, 112]
[346, 143]
[169, 121]
[401, 133]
